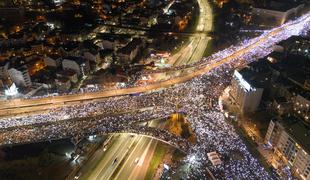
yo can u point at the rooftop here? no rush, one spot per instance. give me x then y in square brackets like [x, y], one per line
[131, 46]
[295, 67]
[280, 100]
[78, 60]
[62, 80]
[257, 73]
[299, 130]
[293, 40]
[111, 37]
[66, 73]
[279, 5]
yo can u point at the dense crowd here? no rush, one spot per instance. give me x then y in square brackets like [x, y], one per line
[111, 105]
[89, 126]
[197, 98]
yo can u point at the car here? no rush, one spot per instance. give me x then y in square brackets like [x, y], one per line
[77, 176]
[137, 160]
[114, 161]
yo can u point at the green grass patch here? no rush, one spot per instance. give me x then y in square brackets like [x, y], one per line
[156, 160]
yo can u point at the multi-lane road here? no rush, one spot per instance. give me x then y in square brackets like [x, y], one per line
[14, 106]
[127, 158]
[125, 148]
[137, 163]
[194, 51]
[28, 105]
[113, 157]
[136, 151]
[197, 45]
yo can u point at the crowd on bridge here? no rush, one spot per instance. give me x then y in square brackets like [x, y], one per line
[79, 128]
[198, 99]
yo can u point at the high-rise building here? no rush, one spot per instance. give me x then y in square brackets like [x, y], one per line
[245, 95]
[20, 76]
[290, 139]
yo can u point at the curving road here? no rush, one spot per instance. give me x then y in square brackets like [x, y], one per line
[29, 105]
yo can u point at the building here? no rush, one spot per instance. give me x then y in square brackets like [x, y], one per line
[276, 12]
[63, 84]
[301, 105]
[92, 56]
[290, 139]
[77, 64]
[111, 41]
[214, 158]
[296, 45]
[284, 79]
[106, 57]
[281, 105]
[52, 61]
[20, 76]
[107, 43]
[70, 74]
[12, 14]
[130, 51]
[4, 65]
[293, 81]
[245, 95]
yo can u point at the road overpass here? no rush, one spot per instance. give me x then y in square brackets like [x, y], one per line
[28, 105]
[186, 55]
[84, 128]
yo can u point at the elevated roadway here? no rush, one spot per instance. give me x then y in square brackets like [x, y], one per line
[193, 52]
[28, 105]
[84, 128]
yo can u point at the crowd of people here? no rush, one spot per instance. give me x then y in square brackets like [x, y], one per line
[111, 105]
[197, 98]
[89, 126]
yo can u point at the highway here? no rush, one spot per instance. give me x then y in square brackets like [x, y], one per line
[136, 153]
[121, 149]
[267, 39]
[107, 165]
[137, 163]
[27, 105]
[133, 154]
[188, 54]
[195, 49]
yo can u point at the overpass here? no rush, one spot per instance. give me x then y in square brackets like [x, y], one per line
[29, 105]
[84, 128]
[186, 55]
